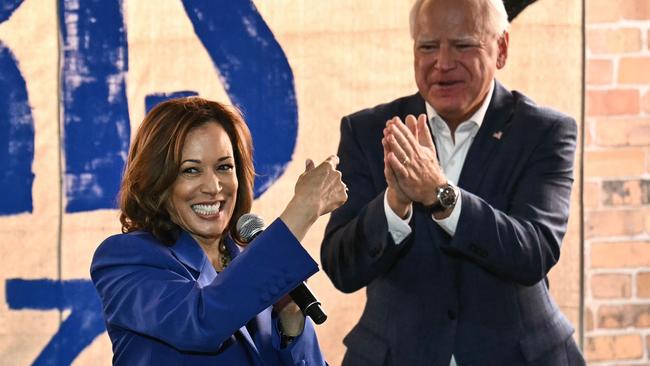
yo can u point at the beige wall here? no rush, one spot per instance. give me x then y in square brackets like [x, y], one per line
[345, 55]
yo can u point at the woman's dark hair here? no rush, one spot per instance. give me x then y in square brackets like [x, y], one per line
[154, 162]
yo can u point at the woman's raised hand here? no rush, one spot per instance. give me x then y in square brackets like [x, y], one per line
[318, 191]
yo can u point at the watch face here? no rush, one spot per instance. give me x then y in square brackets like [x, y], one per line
[447, 196]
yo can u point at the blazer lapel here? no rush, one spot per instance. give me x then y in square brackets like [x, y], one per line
[413, 105]
[190, 253]
[489, 136]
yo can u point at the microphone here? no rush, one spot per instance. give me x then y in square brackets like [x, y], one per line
[250, 226]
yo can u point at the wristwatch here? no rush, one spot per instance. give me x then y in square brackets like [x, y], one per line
[447, 195]
[285, 340]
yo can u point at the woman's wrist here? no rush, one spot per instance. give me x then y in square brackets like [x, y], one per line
[298, 219]
[285, 339]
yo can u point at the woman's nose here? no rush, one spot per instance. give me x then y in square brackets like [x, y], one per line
[211, 184]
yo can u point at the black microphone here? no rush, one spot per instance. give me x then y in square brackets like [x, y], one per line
[249, 226]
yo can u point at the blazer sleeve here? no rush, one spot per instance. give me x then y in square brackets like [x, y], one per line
[143, 288]
[357, 246]
[522, 241]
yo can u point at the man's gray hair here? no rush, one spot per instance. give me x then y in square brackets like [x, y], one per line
[497, 21]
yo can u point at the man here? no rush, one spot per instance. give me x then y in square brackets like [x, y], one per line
[454, 218]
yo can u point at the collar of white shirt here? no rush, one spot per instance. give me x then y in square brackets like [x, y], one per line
[476, 118]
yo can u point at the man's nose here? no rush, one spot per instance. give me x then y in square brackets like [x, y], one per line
[446, 58]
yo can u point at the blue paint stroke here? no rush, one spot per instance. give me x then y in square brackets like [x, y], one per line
[257, 77]
[7, 8]
[95, 109]
[16, 138]
[79, 329]
[154, 99]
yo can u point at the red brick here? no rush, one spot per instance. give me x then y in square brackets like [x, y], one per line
[645, 101]
[589, 319]
[634, 9]
[645, 192]
[643, 285]
[622, 132]
[617, 347]
[624, 316]
[634, 70]
[591, 195]
[588, 131]
[606, 11]
[601, 11]
[611, 286]
[613, 102]
[599, 72]
[613, 41]
[614, 163]
[620, 255]
[622, 193]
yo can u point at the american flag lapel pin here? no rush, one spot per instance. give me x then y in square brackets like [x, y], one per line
[497, 135]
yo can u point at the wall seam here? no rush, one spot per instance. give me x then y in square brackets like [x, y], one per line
[581, 317]
[59, 235]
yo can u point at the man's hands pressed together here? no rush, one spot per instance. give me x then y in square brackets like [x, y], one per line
[411, 166]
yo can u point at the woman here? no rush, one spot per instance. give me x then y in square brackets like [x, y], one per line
[176, 287]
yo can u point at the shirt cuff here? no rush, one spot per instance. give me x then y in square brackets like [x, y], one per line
[398, 228]
[450, 223]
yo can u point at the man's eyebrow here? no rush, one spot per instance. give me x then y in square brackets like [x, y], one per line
[465, 39]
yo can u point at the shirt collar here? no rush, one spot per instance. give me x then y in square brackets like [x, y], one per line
[477, 117]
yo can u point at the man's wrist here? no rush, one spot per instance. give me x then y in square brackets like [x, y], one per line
[400, 208]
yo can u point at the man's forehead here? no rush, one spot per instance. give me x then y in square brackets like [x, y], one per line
[456, 16]
[430, 36]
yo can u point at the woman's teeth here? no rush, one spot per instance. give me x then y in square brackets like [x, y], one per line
[202, 209]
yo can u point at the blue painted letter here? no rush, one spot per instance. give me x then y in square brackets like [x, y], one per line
[152, 100]
[84, 323]
[95, 109]
[257, 77]
[16, 130]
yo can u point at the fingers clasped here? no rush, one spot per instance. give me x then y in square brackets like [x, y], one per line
[411, 166]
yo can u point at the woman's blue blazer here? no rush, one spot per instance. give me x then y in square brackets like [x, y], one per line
[166, 305]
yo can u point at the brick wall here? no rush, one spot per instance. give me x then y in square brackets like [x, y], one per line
[616, 187]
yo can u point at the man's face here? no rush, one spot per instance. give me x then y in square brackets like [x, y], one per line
[455, 57]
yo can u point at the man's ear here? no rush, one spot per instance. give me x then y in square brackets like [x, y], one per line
[502, 43]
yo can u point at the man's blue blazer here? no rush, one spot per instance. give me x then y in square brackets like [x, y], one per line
[480, 294]
[166, 305]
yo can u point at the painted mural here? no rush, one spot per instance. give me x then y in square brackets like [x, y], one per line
[77, 76]
[96, 128]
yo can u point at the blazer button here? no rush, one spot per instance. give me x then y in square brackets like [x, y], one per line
[451, 314]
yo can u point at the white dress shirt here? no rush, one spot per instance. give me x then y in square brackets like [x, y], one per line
[451, 155]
